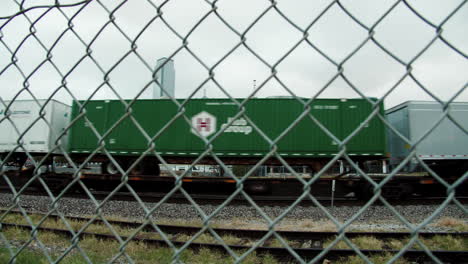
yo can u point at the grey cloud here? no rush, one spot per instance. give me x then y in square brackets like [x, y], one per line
[304, 71]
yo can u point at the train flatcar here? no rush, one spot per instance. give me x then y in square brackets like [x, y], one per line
[236, 135]
[260, 131]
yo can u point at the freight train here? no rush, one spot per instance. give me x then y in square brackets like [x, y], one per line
[137, 135]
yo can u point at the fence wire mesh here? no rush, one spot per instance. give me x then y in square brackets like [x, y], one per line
[77, 52]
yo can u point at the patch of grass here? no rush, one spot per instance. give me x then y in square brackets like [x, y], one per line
[435, 243]
[98, 249]
[377, 259]
[141, 253]
[269, 259]
[233, 240]
[76, 225]
[146, 255]
[296, 225]
[340, 245]
[122, 231]
[13, 218]
[453, 223]
[101, 251]
[14, 233]
[396, 244]
[367, 242]
[204, 256]
[203, 238]
[53, 239]
[253, 258]
[103, 229]
[49, 239]
[208, 238]
[178, 222]
[445, 243]
[377, 229]
[18, 218]
[74, 258]
[26, 256]
[277, 243]
[238, 223]
[307, 225]
[111, 217]
[152, 235]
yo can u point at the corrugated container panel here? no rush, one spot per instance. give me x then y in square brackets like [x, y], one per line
[271, 116]
[81, 134]
[371, 137]
[38, 135]
[414, 118]
[398, 148]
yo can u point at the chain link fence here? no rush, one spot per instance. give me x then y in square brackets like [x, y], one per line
[80, 51]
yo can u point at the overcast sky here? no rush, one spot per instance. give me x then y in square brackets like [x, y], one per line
[304, 71]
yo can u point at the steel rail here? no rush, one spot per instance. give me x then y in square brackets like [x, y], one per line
[280, 253]
[263, 200]
[256, 234]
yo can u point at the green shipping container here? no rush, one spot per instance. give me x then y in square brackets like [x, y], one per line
[273, 117]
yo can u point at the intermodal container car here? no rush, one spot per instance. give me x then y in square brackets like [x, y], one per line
[444, 146]
[37, 124]
[296, 131]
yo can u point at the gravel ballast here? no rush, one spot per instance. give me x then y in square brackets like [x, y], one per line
[377, 216]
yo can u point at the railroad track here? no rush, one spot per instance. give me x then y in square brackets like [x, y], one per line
[278, 191]
[262, 200]
[313, 241]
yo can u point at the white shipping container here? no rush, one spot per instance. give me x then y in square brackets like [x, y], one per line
[38, 134]
[444, 142]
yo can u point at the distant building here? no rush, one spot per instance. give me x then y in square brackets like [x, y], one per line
[166, 79]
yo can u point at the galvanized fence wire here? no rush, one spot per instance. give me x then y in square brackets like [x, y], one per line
[24, 12]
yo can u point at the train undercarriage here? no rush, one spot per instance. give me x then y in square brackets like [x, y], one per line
[208, 177]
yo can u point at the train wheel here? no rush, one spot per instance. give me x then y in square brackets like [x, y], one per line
[406, 190]
[364, 191]
[138, 169]
[109, 167]
[257, 188]
[20, 160]
[151, 167]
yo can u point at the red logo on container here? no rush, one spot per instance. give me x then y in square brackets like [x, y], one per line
[203, 123]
